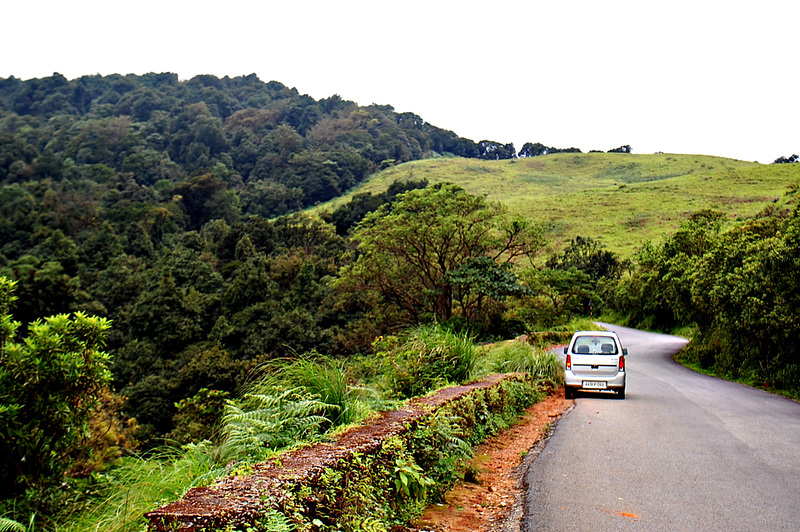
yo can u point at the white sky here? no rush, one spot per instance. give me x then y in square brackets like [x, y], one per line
[701, 76]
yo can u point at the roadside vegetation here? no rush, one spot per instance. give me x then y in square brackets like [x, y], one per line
[289, 404]
[736, 288]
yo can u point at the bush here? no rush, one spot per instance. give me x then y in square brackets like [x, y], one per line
[199, 416]
[50, 385]
[121, 495]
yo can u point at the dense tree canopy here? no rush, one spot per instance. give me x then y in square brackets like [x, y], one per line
[279, 149]
[622, 149]
[493, 151]
[347, 216]
[589, 256]
[538, 149]
[146, 200]
[784, 160]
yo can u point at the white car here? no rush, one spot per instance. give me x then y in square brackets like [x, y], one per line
[595, 361]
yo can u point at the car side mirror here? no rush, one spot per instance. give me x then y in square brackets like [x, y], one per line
[565, 350]
[624, 351]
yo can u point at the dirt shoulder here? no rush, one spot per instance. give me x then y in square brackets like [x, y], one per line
[493, 498]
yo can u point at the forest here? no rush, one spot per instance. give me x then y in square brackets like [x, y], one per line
[159, 204]
[154, 229]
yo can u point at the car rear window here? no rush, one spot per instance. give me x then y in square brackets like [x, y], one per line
[595, 345]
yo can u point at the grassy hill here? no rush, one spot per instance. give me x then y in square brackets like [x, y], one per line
[621, 199]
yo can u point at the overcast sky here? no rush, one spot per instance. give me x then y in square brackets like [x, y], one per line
[706, 77]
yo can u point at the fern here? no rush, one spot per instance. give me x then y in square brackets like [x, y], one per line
[269, 421]
[325, 378]
[9, 525]
[369, 524]
[274, 521]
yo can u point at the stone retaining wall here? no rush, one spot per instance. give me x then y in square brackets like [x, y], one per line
[291, 484]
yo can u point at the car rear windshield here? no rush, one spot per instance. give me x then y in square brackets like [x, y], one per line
[594, 345]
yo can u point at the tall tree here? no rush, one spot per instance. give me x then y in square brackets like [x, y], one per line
[589, 256]
[488, 149]
[204, 198]
[414, 253]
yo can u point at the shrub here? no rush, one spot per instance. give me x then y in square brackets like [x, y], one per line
[198, 417]
[50, 385]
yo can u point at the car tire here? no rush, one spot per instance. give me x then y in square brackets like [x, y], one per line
[621, 393]
[569, 393]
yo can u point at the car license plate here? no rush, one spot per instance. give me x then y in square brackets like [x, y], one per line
[595, 385]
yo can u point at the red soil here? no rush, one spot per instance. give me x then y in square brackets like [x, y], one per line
[485, 504]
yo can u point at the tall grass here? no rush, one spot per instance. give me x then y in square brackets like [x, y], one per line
[138, 484]
[582, 324]
[292, 400]
[540, 363]
[428, 358]
[327, 379]
[265, 419]
[453, 353]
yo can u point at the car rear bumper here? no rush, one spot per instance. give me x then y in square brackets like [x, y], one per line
[576, 382]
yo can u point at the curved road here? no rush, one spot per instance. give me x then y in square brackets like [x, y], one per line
[683, 452]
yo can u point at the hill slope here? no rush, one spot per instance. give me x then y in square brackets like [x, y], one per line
[277, 150]
[621, 199]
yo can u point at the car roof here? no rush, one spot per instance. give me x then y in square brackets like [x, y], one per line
[610, 334]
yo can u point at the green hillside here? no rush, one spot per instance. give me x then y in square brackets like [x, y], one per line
[621, 199]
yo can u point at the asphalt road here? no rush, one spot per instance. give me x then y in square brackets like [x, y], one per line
[683, 451]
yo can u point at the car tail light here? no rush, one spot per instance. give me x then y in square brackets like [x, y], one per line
[569, 362]
[621, 363]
